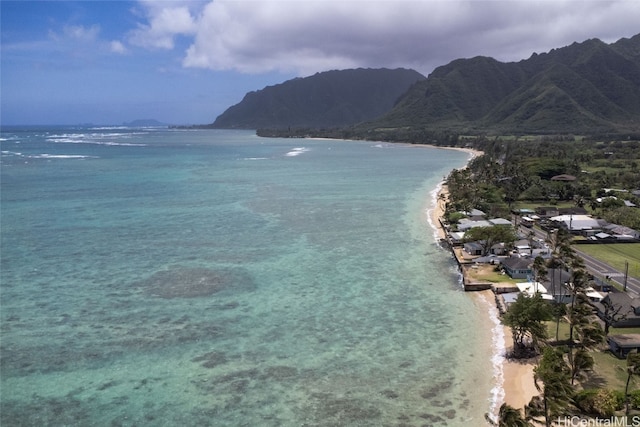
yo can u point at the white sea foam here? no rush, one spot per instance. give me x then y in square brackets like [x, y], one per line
[109, 127]
[255, 158]
[297, 151]
[498, 358]
[86, 139]
[384, 145]
[11, 153]
[497, 331]
[122, 144]
[59, 156]
[434, 202]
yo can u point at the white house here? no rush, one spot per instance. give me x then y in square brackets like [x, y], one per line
[466, 224]
[532, 288]
[577, 222]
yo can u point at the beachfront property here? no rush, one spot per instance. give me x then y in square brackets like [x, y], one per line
[473, 248]
[465, 224]
[517, 267]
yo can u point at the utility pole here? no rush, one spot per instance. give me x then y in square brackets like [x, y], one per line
[626, 274]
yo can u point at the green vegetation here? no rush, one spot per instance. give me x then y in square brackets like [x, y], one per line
[489, 236]
[511, 175]
[586, 91]
[616, 255]
[324, 100]
[576, 373]
[526, 317]
[497, 277]
[608, 370]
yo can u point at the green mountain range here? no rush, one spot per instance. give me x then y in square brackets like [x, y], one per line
[587, 87]
[324, 100]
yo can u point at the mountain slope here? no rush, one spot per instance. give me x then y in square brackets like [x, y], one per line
[584, 87]
[328, 99]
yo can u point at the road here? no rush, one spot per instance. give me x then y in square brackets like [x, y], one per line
[601, 270]
[598, 269]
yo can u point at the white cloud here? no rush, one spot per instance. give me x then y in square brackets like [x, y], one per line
[306, 36]
[117, 47]
[76, 34]
[165, 22]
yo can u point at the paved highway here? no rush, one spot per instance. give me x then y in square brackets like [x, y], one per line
[598, 269]
[601, 270]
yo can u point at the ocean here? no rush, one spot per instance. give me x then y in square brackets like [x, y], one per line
[155, 276]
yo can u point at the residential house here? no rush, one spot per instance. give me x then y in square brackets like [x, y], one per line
[500, 221]
[583, 224]
[532, 288]
[573, 210]
[473, 248]
[623, 344]
[556, 281]
[629, 309]
[465, 224]
[499, 249]
[547, 211]
[517, 267]
[475, 214]
[621, 232]
[456, 238]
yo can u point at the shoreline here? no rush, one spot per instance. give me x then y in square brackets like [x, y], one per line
[473, 153]
[513, 379]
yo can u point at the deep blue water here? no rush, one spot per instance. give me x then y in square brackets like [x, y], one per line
[174, 277]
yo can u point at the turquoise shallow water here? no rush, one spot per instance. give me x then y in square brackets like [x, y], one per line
[165, 277]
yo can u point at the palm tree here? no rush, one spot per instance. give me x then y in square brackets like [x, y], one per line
[582, 362]
[579, 309]
[559, 309]
[508, 416]
[556, 389]
[539, 269]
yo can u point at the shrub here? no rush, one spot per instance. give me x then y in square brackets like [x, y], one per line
[601, 402]
[635, 399]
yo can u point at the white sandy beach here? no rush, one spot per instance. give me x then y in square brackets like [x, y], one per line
[514, 379]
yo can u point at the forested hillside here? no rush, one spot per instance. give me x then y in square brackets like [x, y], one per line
[586, 87]
[324, 100]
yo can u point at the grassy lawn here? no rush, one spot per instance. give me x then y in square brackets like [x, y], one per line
[609, 371]
[616, 255]
[486, 273]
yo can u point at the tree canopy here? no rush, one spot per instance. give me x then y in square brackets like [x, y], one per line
[526, 317]
[489, 236]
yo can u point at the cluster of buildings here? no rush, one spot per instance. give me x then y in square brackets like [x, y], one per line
[516, 261]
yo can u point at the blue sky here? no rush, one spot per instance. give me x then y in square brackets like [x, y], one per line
[185, 62]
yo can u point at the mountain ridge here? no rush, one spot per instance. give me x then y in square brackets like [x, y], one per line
[327, 99]
[590, 86]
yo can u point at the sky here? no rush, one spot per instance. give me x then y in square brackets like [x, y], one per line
[185, 62]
